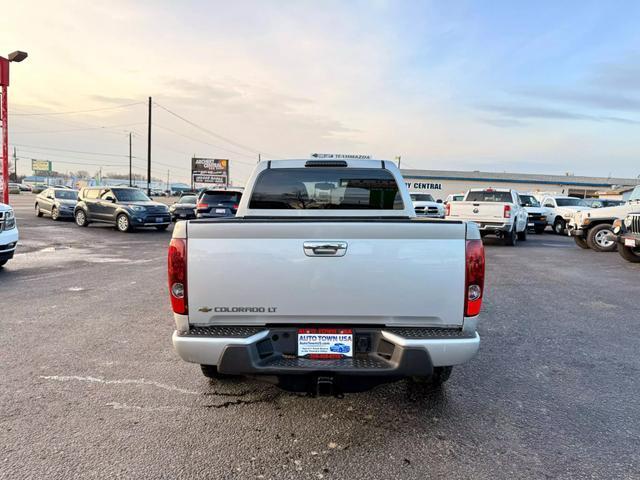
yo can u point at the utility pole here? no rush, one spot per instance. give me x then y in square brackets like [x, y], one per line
[399, 159]
[15, 165]
[168, 180]
[130, 179]
[149, 152]
[259, 158]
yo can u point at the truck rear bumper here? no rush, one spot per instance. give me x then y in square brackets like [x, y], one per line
[384, 351]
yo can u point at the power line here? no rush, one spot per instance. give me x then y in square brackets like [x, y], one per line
[207, 143]
[77, 129]
[193, 124]
[35, 147]
[77, 163]
[73, 112]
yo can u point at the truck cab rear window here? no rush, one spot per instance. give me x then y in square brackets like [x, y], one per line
[489, 196]
[326, 188]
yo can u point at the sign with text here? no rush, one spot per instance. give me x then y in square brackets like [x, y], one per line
[209, 172]
[40, 165]
[340, 156]
[421, 185]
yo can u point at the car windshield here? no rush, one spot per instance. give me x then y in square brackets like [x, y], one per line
[489, 196]
[66, 194]
[529, 201]
[571, 202]
[190, 199]
[326, 188]
[422, 197]
[130, 195]
[220, 197]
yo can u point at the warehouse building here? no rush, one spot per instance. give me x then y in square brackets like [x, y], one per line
[441, 183]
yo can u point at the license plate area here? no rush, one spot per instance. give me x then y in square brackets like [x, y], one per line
[325, 343]
[159, 219]
[221, 210]
[629, 242]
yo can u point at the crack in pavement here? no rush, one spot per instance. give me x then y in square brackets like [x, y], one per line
[126, 381]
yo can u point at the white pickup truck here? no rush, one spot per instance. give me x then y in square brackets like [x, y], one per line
[326, 281]
[497, 211]
[8, 233]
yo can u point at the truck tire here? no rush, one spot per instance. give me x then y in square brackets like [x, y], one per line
[211, 371]
[3, 262]
[522, 236]
[436, 380]
[559, 226]
[598, 240]
[629, 254]
[581, 242]
[510, 238]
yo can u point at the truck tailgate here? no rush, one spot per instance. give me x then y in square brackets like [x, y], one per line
[477, 211]
[404, 272]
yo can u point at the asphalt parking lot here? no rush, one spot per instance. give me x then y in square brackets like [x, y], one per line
[91, 387]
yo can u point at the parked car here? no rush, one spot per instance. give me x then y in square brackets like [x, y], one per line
[184, 208]
[426, 206]
[24, 187]
[127, 208]
[325, 305]
[627, 235]
[39, 188]
[560, 211]
[536, 214]
[57, 202]
[217, 203]
[14, 189]
[497, 211]
[454, 197]
[593, 228]
[8, 233]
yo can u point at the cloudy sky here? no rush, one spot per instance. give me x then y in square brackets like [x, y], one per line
[548, 87]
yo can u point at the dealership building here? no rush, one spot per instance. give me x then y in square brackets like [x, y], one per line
[441, 183]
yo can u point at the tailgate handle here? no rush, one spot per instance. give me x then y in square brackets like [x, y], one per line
[325, 249]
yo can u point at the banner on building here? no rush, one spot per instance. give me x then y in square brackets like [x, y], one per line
[206, 172]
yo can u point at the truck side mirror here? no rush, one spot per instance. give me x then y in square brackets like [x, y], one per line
[439, 200]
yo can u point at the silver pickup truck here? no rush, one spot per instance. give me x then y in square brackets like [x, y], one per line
[325, 281]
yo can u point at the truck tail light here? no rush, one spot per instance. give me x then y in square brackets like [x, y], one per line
[235, 207]
[447, 209]
[507, 211]
[202, 205]
[474, 278]
[178, 275]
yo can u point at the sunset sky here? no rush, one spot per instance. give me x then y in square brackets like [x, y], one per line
[547, 87]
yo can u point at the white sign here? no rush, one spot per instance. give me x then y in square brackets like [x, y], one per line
[340, 156]
[336, 343]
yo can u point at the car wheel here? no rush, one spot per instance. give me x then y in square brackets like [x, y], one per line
[436, 380]
[539, 229]
[581, 242]
[122, 223]
[522, 236]
[160, 228]
[600, 238]
[211, 371]
[510, 238]
[559, 226]
[38, 211]
[54, 214]
[3, 262]
[629, 254]
[81, 218]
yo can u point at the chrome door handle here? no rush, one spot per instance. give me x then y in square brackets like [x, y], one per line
[325, 249]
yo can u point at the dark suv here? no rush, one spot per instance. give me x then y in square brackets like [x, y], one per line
[217, 203]
[627, 231]
[125, 207]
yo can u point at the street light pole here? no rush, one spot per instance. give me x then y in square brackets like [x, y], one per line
[16, 56]
[149, 152]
